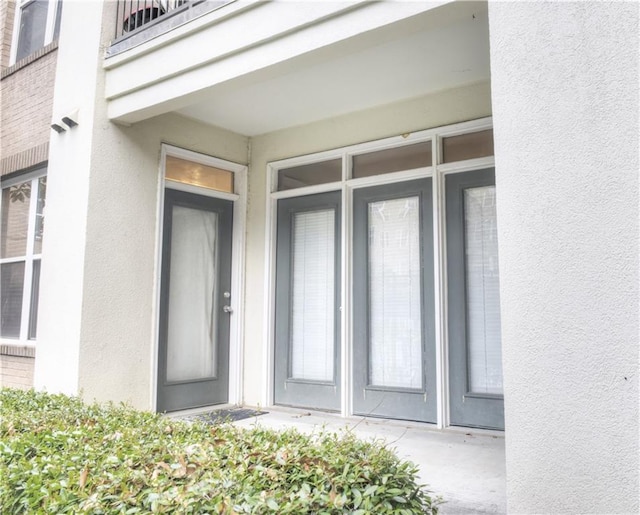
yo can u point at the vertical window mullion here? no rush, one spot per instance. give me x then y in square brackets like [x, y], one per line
[51, 21]
[28, 266]
[439, 260]
[346, 404]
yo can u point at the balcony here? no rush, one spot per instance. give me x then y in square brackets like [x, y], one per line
[138, 21]
[253, 67]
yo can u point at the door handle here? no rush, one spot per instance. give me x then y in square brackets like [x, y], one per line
[227, 309]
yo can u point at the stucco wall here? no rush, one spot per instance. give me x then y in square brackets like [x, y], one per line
[118, 333]
[97, 304]
[565, 103]
[466, 103]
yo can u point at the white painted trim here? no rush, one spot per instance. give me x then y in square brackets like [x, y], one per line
[307, 190]
[268, 362]
[155, 333]
[239, 200]
[28, 265]
[29, 257]
[439, 263]
[198, 190]
[467, 166]
[35, 173]
[346, 333]
[386, 143]
[317, 157]
[391, 178]
[466, 127]
[236, 332]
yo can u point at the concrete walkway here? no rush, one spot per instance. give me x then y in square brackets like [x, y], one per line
[465, 467]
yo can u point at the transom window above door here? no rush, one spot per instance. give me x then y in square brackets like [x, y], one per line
[198, 174]
[385, 279]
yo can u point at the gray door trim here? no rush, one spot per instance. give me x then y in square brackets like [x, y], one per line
[408, 404]
[289, 391]
[173, 396]
[465, 408]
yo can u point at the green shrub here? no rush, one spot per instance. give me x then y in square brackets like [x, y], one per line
[58, 455]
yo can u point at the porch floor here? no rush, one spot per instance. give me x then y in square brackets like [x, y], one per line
[465, 467]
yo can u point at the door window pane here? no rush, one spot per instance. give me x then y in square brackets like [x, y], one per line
[192, 328]
[196, 174]
[390, 160]
[483, 294]
[313, 303]
[310, 175]
[11, 290]
[467, 146]
[15, 220]
[33, 23]
[395, 315]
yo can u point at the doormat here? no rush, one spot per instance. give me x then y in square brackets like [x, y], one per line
[227, 415]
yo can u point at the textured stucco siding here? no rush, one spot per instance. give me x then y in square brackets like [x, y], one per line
[565, 104]
[98, 301]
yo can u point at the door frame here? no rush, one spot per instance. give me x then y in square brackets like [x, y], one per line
[239, 199]
[346, 185]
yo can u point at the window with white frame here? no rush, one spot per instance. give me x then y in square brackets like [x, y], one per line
[22, 206]
[419, 282]
[37, 24]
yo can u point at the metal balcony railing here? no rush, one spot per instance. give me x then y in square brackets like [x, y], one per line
[135, 15]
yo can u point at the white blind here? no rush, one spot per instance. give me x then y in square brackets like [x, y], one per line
[483, 294]
[395, 317]
[192, 321]
[313, 305]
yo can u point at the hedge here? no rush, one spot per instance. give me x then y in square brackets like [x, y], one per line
[58, 455]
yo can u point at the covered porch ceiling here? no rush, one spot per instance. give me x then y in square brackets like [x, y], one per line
[256, 67]
[441, 49]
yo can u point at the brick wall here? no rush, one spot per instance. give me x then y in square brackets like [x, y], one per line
[26, 92]
[26, 101]
[16, 366]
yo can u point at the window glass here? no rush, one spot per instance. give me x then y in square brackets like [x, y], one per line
[483, 290]
[196, 174]
[33, 25]
[395, 319]
[15, 220]
[390, 160]
[11, 288]
[313, 278]
[22, 214]
[192, 324]
[467, 146]
[310, 175]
